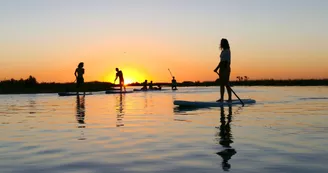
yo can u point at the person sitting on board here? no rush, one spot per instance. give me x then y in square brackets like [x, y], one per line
[174, 84]
[119, 74]
[144, 85]
[224, 69]
[79, 72]
[151, 85]
[158, 87]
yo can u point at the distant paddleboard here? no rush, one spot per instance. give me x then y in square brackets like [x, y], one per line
[117, 92]
[72, 93]
[150, 90]
[183, 103]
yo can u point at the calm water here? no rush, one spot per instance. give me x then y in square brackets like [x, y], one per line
[285, 131]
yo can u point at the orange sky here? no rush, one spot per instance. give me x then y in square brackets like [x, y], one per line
[145, 39]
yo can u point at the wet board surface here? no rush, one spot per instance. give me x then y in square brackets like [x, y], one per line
[117, 92]
[184, 103]
[140, 90]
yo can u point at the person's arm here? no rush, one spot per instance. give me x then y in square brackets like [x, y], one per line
[75, 73]
[217, 68]
[224, 61]
[115, 78]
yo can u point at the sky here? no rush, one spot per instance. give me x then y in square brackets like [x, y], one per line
[280, 39]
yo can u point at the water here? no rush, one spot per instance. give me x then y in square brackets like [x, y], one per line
[285, 131]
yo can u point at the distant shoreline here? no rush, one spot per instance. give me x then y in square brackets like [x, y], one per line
[262, 82]
[30, 86]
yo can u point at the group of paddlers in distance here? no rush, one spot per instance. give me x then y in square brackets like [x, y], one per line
[79, 72]
[223, 67]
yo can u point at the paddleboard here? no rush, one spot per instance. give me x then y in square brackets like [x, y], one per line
[73, 93]
[183, 103]
[150, 90]
[117, 92]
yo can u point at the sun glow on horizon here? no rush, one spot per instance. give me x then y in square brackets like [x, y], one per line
[130, 76]
[128, 81]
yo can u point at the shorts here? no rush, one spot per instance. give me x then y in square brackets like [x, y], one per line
[224, 77]
[79, 82]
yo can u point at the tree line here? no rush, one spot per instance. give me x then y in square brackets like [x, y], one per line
[31, 85]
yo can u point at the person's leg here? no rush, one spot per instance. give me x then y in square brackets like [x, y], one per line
[229, 92]
[223, 83]
[228, 86]
[77, 85]
[83, 86]
[221, 93]
[124, 86]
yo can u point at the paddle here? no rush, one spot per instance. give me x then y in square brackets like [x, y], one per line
[233, 91]
[170, 73]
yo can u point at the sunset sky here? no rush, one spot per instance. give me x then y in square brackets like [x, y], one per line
[269, 38]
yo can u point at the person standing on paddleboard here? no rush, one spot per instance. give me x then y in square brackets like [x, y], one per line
[119, 74]
[79, 72]
[224, 69]
[174, 84]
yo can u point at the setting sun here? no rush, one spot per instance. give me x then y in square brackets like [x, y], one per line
[130, 75]
[128, 81]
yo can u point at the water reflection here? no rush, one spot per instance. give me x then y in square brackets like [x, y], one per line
[31, 104]
[182, 110]
[80, 114]
[120, 102]
[145, 100]
[224, 138]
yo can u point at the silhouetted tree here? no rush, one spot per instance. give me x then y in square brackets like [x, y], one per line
[245, 78]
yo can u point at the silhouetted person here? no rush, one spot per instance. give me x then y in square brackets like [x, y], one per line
[144, 85]
[79, 72]
[158, 87]
[226, 139]
[119, 74]
[224, 69]
[151, 85]
[174, 84]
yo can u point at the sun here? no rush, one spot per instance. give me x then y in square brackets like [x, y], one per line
[128, 81]
[130, 76]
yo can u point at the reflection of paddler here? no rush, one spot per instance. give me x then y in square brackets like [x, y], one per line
[80, 110]
[120, 112]
[226, 139]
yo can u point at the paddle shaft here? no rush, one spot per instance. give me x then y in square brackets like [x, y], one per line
[233, 92]
[170, 73]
